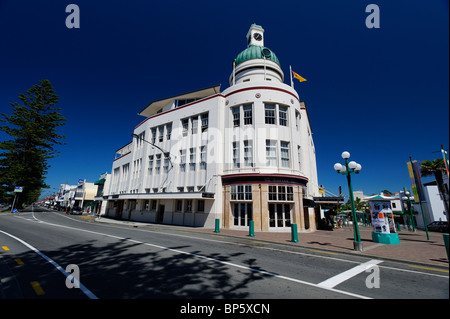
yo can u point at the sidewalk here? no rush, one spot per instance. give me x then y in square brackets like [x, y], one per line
[414, 246]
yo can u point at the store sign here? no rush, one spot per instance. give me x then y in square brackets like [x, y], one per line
[382, 217]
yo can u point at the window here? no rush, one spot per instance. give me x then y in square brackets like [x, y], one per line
[160, 133]
[203, 157]
[153, 204]
[168, 131]
[282, 111]
[192, 159]
[158, 164]
[248, 114]
[188, 205]
[185, 126]
[201, 205]
[284, 150]
[194, 126]
[280, 215]
[272, 192]
[205, 121]
[179, 206]
[182, 160]
[297, 120]
[241, 192]
[299, 154]
[248, 153]
[166, 162]
[150, 164]
[236, 155]
[242, 214]
[236, 116]
[153, 138]
[190, 189]
[270, 113]
[281, 193]
[271, 153]
[180, 189]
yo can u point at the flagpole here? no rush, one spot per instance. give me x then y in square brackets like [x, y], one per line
[290, 72]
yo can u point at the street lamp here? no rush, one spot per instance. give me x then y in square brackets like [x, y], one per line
[405, 196]
[347, 170]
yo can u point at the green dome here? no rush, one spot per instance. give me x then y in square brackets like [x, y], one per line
[256, 52]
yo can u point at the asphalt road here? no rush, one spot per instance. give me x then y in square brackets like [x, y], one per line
[161, 261]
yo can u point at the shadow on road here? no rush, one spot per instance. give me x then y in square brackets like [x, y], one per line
[120, 272]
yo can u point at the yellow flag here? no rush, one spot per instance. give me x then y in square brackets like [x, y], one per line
[298, 77]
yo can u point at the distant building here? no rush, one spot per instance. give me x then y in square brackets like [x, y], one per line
[243, 154]
[100, 199]
[433, 206]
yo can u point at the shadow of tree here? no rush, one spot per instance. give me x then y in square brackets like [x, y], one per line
[124, 269]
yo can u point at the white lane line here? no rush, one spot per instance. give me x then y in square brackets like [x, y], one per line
[86, 291]
[346, 275]
[257, 247]
[214, 260]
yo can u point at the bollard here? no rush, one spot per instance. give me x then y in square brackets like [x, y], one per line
[446, 242]
[294, 233]
[252, 229]
[399, 228]
[217, 230]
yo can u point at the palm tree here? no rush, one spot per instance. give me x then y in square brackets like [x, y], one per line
[436, 167]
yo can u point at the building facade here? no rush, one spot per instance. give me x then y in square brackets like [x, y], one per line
[243, 154]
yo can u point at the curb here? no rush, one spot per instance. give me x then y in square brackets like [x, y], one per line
[298, 245]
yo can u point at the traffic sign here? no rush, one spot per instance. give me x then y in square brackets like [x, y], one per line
[18, 189]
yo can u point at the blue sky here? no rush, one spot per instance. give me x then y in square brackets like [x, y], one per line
[381, 94]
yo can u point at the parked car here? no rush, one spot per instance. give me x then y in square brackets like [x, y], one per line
[76, 211]
[438, 226]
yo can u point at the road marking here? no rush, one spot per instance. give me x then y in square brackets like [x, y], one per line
[323, 252]
[258, 247]
[37, 288]
[5, 248]
[194, 255]
[19, 261]
[428, 268]
[346, 275]
[259, 242]
[217, 236]
[86, 291]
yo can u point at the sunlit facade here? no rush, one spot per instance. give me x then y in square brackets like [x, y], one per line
[242, 154]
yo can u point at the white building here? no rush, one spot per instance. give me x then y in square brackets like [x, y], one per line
[243, 154]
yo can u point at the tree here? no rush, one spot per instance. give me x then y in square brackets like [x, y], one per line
[32, 128]
[436, 168]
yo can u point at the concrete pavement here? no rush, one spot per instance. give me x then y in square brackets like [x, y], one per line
[414, 246]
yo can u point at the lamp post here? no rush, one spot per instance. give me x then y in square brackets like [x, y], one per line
[347, 170]
[405, 196]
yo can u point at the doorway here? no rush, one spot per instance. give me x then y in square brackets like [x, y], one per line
[160, 215]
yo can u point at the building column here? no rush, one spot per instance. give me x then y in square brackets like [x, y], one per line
[227, 213]
[264, 203]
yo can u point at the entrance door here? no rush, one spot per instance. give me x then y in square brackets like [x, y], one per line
[280, 215]
[242, 214]
[160, 217]
[119, 209]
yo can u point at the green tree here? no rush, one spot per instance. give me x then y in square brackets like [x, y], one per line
[32, 128]
[436, 168]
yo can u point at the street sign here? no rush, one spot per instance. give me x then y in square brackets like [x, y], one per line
[18, 189]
